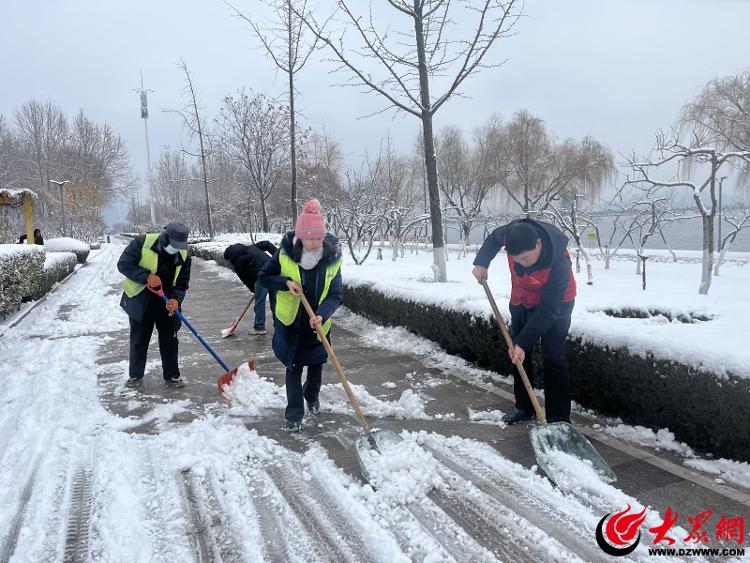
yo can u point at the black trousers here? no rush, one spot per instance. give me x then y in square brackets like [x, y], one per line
[140, 336]
[296, 392]
[554, 365]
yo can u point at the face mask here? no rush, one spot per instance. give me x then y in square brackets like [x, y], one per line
[170, 249]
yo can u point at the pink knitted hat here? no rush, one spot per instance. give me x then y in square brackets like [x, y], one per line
[310, 223]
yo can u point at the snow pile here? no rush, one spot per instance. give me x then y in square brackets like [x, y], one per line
[403, 472]
[249, 393]
[487, 417]
[333, 398]
[725, 470]
[663, 439]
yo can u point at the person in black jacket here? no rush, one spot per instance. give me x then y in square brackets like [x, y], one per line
[543, 291]
[247, 261]
[37, 238]
[155, 260]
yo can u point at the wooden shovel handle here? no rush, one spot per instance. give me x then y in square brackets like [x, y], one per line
[337, 365]
[252, 298]
[509, 341]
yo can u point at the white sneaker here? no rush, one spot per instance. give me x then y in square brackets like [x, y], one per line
[256, 331]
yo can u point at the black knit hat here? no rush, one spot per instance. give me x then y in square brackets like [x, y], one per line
[177, 235]
[521, 238]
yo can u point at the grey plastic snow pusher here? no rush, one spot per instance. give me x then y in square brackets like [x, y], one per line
[377, 440]
[549, 439]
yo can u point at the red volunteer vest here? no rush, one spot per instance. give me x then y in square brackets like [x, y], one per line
[526, 290]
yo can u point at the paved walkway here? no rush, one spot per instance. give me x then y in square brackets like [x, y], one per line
[656, 478]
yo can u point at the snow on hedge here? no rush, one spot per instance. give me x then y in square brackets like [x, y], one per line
[67, 244]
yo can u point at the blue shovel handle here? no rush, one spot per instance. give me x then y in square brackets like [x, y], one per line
[160, 293]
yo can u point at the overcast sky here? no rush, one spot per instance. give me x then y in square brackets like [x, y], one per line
[615, 69]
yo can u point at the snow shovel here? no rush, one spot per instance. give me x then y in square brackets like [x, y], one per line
[378, 440]
[228, 374]
[549, 439]
[230, 330]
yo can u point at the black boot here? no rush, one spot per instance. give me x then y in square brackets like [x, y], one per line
[313, 407]
[517, 416]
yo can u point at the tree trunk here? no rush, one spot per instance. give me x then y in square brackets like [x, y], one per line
[292, 132]
[708, 254]
[436, 216]
[722, 255]
[265, 215]
[587, 259]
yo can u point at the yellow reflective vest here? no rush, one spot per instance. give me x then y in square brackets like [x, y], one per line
[287, 305]
[150, 261]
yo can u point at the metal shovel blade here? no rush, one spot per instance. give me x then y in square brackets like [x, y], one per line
[549, 439]
[374, 443]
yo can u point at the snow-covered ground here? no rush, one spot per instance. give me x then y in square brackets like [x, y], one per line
[718, 345]
[75, 482]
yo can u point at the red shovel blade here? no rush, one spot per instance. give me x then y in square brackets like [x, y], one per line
[226, 378]
[229, 330]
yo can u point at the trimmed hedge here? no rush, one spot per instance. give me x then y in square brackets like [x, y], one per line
[57, 267]
[21, 268]
[709, 413]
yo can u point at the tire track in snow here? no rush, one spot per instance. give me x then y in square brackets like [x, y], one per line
[271, 519]
[444, 531]
[198, 536]
[212, 533]
[77, 531]
[9, 543]
[570, 532]
[319, 514]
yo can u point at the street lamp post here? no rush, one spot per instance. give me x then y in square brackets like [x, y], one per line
[62, 202]
[718, 242]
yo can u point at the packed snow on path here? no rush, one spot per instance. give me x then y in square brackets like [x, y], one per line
[215, 488]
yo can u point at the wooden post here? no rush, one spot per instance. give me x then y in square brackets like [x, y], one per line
[29, 217]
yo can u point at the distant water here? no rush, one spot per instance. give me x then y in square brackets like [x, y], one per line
[686, 234]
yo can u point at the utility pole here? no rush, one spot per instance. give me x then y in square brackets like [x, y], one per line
[144, 114]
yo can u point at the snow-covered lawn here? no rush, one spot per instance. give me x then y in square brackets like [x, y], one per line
[718, 345]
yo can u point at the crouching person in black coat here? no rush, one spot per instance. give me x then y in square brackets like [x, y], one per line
[308, 262]
[247, 261]
[155, 260]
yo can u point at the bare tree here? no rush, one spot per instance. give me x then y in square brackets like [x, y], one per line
[10, 155]
[254, 134]
[739, 220]
[284, 41]
[572, 209]
[466, 176]
[195, 124]
[414, 60]
[43, 128]
[720, 114]
[360, 210]
[703, 192]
